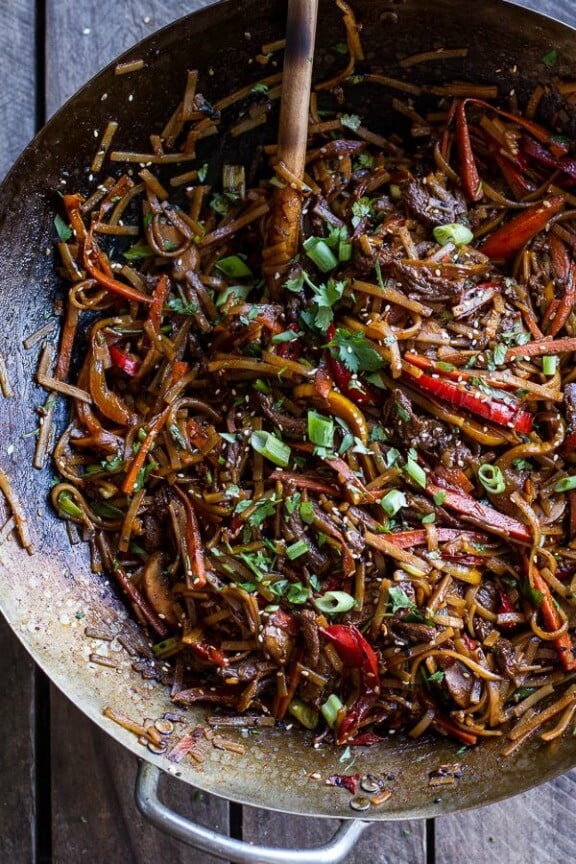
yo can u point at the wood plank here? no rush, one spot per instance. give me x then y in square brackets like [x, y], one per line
[17, 674]
[94, 815]
[400, 842]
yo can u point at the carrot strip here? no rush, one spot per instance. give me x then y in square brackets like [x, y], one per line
[138, 462]
[106, 280]
[542, 346]
[553, 621]
[193, 540]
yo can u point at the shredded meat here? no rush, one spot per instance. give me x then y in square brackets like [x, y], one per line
[430, 202]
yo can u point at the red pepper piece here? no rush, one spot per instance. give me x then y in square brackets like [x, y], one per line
[484, 515]
[344, 781]
[292, 350]
[207, 652]
[419, 537]
[553, 621]
[511, 170]
[539, 153]
[125, 361]
[511, 237]
[558, 147]
[468, 169]
[355, 652]
[569, 445]
[365, 739]
[501, 413]
[353, 388]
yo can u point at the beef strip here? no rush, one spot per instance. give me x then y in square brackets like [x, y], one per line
[425, 433]
[431, 203]
[422, 283]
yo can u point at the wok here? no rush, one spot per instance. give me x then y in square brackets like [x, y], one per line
[51, 597]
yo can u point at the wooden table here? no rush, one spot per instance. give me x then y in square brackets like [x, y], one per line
[66, 788]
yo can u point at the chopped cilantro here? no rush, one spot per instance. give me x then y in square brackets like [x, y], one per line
[550, 59]
[361, 209]
[63, 230]
[320, 314]
[138, 252]
[203, 172]
[350, 121]
[399, 599]
[355, 351]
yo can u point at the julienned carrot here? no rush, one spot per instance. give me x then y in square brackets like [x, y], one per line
[159, 296]
[196, 566]
[67, 343]
[138, 462]
[553, 621]
[72, 204]
[511, 237]
[542, 346]
[565, 305]
[106, 280]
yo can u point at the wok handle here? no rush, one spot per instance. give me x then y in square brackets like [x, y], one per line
[147, 801]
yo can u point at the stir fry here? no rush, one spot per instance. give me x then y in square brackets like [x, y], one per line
[335, 487]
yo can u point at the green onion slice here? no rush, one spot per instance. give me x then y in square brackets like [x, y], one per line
[566, 484]
[455, 233]
[393, 501]
[268, 445]
[68, 506]
[300, 547]
[415, 472]
[330, 709]
[320, 430]
[492, 479]
[334, 602]
[305, 714]
[320, 254]
[549, 365]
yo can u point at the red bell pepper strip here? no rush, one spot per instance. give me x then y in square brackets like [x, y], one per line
[468, 170]
[501, 413]
[72, 204]
[123, 360]
[196, 565]
[553, 621]
[511, 237]
[483, 515]
[419, 537]
[541, 154]
[356, 653]
[292, 350]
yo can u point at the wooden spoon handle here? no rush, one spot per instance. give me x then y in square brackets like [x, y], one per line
[296, 83]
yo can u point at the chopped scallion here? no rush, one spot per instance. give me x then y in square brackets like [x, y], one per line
[305, 714]
[268, 445]
[334, 602]
[455, 233]
[320, 254]
[68, 506]
[295, 550]
[331, 708]
[549, 365]
[320, 430]
[307, 512]
[393, 501]
[492, 479]
[566, 484]
[415, 472]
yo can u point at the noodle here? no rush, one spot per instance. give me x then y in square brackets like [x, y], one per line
[337, 486]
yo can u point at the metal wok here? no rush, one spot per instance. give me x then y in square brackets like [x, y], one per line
[42, 595]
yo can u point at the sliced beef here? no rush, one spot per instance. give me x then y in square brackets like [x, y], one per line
[425, 433]
[431, 203]
[459, 683]
[423, 283]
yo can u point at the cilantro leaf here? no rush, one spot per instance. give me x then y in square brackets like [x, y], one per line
[321, 314]
[63, 230]
[355, 351]
[399, 598]
[138, 252]
[351, 121]
[264, 508]
[361, 209]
